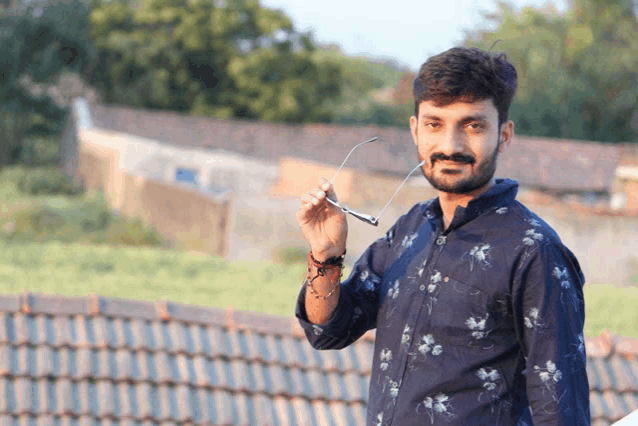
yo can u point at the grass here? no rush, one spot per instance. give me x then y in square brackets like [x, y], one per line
[79, 256]
[149, 274]
[153, 274]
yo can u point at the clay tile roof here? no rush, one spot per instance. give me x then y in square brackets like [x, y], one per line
[558, 164]
[107, 361]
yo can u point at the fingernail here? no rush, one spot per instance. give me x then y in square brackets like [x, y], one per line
[321, 194]
[326, 186]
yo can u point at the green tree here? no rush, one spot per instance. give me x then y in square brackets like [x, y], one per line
[578, 72]
[228, 58]
[36, 46]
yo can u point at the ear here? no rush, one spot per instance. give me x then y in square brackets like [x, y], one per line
[413, 128]
[507, 134]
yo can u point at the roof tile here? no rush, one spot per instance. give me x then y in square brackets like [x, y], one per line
[42, 323]
[303, 411]
[340, 413]
[322, 413]
[104, 398]
[63, 397]
[4, 332]
[100, 329]
[44, 363]
[177, 333]
[9, 303]
[138, 334]
[126, 409]
[628, 347]
[241, 380]
[198, 314]
[318, 383]
[290, 347]
[84, 363]
[62, 331]
[214, 343]
[114, 307]
[22, 364]
[616, 405]
[223, 407]
[124, 362]
[103, 365]
[262, 323]
[5, 359]
[243, 408]
[359, 413]
[186, 369]
[144, 398]
[23, 395]
[85, 338]
[283, 412]
[337, 388]
[236, 344]
[266, 411]
[21, 329]
[183, 403]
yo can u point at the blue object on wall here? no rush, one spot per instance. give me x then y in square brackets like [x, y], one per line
[186, 175]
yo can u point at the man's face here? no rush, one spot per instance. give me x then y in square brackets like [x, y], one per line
[459, 143]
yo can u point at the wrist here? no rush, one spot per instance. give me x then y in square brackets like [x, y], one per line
[323, 256]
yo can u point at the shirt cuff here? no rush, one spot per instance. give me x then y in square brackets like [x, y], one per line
[335, 324]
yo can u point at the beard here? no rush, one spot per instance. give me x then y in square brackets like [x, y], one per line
[479, 178]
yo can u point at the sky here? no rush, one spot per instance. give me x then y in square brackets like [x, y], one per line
[407, 30]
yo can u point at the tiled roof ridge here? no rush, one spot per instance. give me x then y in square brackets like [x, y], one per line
[95, 305]
[608, 344]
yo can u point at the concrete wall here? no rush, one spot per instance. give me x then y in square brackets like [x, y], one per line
[198, 220]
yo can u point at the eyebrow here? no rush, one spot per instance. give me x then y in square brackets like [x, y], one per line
[464, 120]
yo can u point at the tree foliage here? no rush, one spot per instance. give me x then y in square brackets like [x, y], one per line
[231, 58]
[35, 46]
[578, 72]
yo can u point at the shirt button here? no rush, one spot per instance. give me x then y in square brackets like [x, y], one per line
[422, 288]
[441, 240]
[446, 279]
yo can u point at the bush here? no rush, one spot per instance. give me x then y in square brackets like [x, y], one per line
[290, 255]
[48, 181]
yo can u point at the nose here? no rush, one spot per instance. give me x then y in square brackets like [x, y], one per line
[452, 142]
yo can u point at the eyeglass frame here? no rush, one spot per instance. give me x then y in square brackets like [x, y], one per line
[369, 219]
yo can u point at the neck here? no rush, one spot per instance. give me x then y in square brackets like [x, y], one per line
[449, 201]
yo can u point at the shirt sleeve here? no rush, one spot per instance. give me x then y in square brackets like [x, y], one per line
[356, 311]
[549, 311]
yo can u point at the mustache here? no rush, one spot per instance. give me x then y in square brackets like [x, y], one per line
[457, 157]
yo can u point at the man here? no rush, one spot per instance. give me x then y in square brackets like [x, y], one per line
[478, 305]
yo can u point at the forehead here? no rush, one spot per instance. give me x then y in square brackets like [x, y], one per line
[459, 110]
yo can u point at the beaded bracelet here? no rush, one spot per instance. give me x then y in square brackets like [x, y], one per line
[333, 266]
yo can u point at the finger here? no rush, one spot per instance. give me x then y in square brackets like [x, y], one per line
[327, 187]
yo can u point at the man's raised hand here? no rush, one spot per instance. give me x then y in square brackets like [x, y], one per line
[324, 226]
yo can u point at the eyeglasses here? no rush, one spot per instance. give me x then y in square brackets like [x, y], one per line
[374, 221]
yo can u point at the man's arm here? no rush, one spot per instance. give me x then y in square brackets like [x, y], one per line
[550, 313]
[356, 310]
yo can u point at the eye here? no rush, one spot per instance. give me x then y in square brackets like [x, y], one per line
[476, 126]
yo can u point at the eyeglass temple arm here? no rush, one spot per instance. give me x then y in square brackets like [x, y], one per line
[364, 217]
[348, 156]
[397, 191]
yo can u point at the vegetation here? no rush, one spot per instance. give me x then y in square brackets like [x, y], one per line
[152, 274]
[41, 205]
[578, 72]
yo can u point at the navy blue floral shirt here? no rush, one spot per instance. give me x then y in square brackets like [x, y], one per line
[479, 324]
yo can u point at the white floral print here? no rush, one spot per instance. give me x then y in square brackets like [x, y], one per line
[549, 375]
[317, 330]
[531, 237]
[566, 286]
[534, 222]
[531, 319]
[438, 405]
[480, 255]
[394, 388]
[477, 325]
[489, 377]
[393, 292]
[427, 344]
[385, 356]
[501, 210]
[409, 239]
[379, 419]
[405, 338]
[435, 279]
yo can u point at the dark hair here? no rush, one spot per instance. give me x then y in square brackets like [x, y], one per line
[466, 74]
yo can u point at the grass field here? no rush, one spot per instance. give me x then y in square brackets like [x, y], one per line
[152, 274]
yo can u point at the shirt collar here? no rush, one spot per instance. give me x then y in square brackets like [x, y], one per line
[502, 193]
